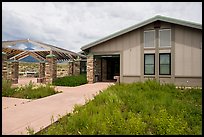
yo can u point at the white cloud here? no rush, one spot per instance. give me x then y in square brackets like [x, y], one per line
[71, 25]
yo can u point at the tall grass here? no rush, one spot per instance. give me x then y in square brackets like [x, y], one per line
[29, 91]
[138, 108]
[7, 91]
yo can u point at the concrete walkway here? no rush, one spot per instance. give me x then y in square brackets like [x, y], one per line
[19, 114]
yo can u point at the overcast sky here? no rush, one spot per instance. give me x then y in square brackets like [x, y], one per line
[71, 25]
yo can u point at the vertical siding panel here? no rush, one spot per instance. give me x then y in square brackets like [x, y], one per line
[136, 53]
[127, 45]
[125, 62]
[120, 45]
[131, 58]
[106, 47]
[193, 44]
[179, 40]
[187, 53]
[188, 56]
[123, 42]
[196, 55]
[126, 56]
[116, 45]
[111, 45]
[131, 53]
[134, 61]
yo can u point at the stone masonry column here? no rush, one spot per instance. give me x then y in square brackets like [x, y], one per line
[76, 70]
[90, 69]
[70, 68]
[41, 78]
[9, 64]
[4, 66]
[14, 71]
[50, 68]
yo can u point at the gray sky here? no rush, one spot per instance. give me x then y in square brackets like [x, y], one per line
[71, 25]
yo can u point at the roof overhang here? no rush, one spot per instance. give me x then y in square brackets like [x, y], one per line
[151, 20]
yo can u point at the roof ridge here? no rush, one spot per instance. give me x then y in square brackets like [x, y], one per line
[143, 23]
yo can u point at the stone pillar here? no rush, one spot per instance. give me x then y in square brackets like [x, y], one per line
[4, 66]
[70, 68]
[9, 64]
[76, 70]
[14, 71]
[41, 78]
[50, 68]
[90, 69]
[104, 70]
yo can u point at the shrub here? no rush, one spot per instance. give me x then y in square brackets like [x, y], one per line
[29, 91]
[70, 80]
[7, 90]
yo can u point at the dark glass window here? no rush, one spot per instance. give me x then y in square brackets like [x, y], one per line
[165, 64]
[149, 64]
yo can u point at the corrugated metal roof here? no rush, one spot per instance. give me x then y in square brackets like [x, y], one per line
[153, 19]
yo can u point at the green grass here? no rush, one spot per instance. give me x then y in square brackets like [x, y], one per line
[139, 108]
[70, 81]
[29, 91]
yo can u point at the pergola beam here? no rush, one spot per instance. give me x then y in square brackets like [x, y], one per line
[24, 52]
[35, 55]
[27, 53]
[60, 53]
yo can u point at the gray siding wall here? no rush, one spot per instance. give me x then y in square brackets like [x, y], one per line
[186, 54]
[128, 46]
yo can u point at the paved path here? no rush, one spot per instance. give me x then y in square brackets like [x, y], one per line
[18, 114]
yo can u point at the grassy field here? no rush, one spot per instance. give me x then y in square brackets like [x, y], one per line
[29, 91]
[139, 108]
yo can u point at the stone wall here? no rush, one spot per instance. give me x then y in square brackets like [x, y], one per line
[70, 68]
[90, 69]
[41, 78]
[76, 69]
[4, 65]
[50, 68]
[9, 64]
[14, 71]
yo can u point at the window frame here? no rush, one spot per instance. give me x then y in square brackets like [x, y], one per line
[165, 64]
[160, 38]
[144, 39]
[154, 63]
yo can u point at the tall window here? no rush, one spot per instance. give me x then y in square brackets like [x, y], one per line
[165, 38]
[164, 64]
[149, 37]
[149, 64]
